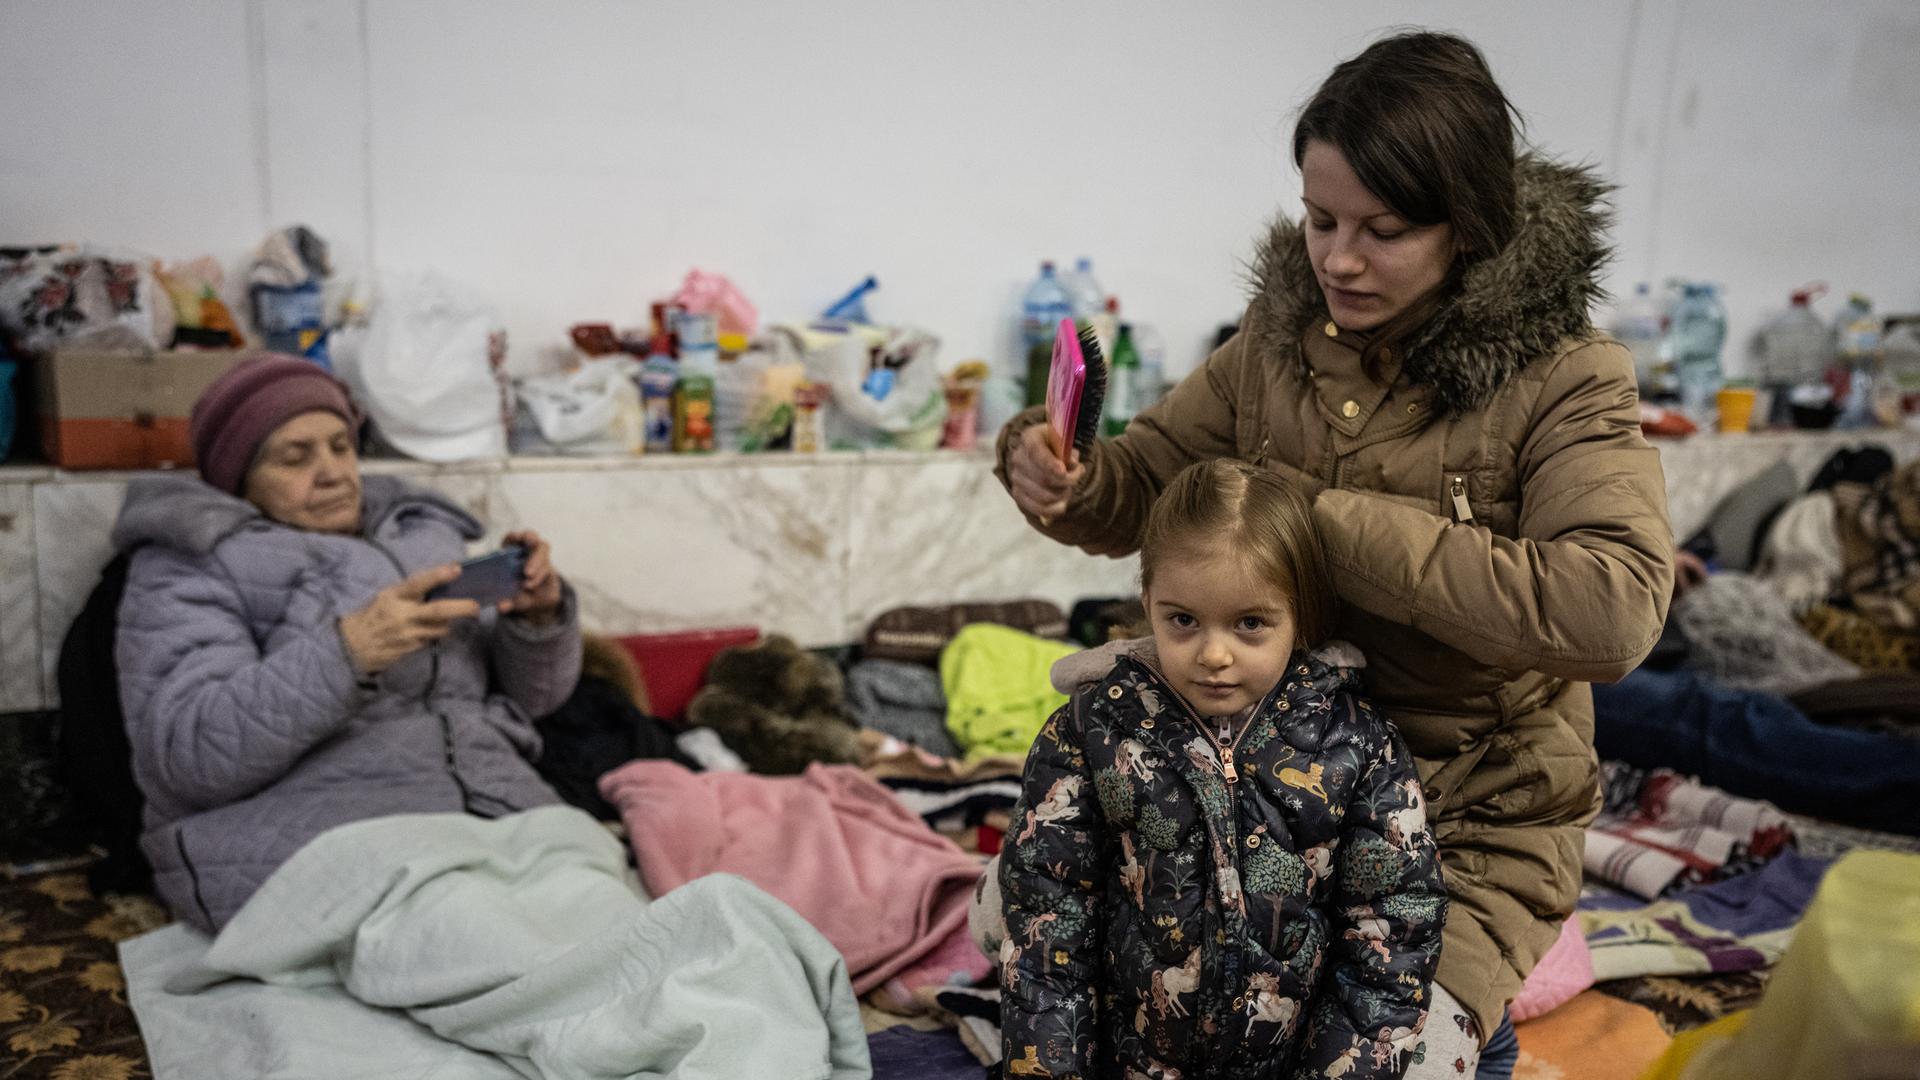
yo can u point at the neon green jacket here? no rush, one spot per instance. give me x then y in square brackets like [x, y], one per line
[998, 692]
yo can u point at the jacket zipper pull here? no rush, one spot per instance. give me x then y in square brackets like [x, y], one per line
[1226, 765]
[1461, 511]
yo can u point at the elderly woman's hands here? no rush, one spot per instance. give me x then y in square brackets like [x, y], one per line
[539, 598]
[401, 620]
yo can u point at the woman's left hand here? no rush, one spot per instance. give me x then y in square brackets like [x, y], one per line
[539, 597]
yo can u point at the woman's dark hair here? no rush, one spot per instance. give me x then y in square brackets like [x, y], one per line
[1426, 128]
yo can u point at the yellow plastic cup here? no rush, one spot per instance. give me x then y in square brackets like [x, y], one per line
[1736, 408]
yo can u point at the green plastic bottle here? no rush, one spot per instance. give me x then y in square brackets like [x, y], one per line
[1123, 379]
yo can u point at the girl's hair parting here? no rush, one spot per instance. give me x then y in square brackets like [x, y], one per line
[1259, 515]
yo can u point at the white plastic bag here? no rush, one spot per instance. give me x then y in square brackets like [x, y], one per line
[426, 371]
[593, 410]
[914, 407]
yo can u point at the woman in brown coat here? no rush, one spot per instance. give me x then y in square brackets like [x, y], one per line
[1419, 357]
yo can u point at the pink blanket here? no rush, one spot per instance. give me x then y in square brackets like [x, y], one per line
[832, 843]
[1562, 973]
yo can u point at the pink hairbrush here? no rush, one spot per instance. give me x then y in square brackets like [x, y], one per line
[1076, 389]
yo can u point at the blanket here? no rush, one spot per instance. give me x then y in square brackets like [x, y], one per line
[446, 945]
[1594, 1037]
[1660, 831]
[867, 872]
[1740, 924]
[1880, 546]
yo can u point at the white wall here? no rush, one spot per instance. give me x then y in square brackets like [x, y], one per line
[571, 159]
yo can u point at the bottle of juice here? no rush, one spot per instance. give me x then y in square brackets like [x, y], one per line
[693, 414]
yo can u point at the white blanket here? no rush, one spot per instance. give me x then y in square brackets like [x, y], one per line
[447, 946]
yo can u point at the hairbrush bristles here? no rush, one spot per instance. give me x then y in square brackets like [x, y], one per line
[1093, 395]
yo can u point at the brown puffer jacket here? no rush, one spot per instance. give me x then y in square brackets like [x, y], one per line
[1497, 528]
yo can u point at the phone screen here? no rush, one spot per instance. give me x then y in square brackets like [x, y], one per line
[488, 579]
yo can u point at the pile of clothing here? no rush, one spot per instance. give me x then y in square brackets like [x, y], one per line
[864, 789]
[1774, 729]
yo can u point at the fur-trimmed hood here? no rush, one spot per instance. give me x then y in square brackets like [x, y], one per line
[1511, 308]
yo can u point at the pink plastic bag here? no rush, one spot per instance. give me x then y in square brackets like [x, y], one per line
[712, 294]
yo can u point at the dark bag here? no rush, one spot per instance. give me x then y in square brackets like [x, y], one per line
[917, 634]
[93, 757]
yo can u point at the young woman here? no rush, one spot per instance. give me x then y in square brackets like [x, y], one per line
[1419, 358]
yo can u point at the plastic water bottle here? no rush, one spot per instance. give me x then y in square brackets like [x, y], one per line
[1083, 291]
[1639, 324]
[1793, 345]
[1856, 332]
[1856, 346]
[1041, 310]
[1151, 385]
[1044, 305]
[1699, 331]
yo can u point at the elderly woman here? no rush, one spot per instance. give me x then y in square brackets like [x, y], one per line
[337, 774]
[281, 669]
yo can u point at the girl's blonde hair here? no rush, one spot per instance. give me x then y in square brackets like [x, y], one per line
[1256, 514]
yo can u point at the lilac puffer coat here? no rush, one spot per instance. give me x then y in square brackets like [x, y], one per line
[251, 733]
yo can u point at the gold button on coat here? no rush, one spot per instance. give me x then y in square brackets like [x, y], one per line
[1113, 692]
[1332, 330]
[1350, 410]
[1253, 841]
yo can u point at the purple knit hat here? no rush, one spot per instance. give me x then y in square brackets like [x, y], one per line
[244, 406]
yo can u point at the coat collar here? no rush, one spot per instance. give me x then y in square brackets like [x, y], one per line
[1149, 709]
[1511, 308]
[179, 510]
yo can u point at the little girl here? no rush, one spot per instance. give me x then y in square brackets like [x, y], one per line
[1219, 865]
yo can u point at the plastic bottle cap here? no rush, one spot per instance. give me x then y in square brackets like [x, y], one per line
[733, 343]
[1046, 268]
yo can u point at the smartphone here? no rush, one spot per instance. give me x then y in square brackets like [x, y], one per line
[487, 579]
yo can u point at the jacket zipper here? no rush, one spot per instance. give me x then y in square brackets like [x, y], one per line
[1232, 954]
[1462, 511]
[1228, 770]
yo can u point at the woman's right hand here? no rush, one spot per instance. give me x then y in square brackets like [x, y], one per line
[1041, 485]
[400, 620]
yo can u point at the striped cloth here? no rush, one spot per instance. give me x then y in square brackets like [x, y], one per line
[1661, 830]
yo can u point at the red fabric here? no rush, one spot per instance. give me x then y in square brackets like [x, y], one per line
[832, 843]
[673, 665]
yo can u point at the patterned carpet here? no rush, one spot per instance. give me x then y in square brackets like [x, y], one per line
[63, 1007]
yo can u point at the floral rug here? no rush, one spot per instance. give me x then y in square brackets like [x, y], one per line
[63, 1004]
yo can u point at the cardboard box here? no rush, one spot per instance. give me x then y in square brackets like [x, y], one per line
[118, 409]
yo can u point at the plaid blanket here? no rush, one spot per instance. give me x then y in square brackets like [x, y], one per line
[1661, 831]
